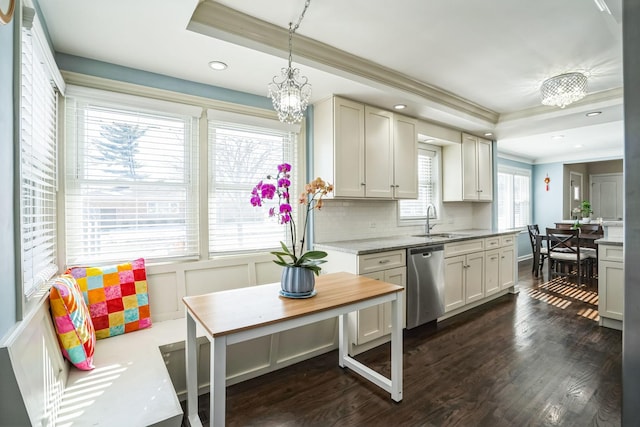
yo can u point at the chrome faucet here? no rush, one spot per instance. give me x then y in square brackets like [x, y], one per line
[428, 225]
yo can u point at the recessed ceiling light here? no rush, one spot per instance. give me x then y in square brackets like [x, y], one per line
[488, 134]
[217, 65]
[593, 113]
[399, 106]
[557, 137]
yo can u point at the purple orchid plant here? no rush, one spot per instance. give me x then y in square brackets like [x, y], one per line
[311, 198]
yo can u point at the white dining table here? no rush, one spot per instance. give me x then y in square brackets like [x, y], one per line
[237, 315]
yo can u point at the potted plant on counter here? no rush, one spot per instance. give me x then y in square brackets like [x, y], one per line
[585, 208]
[299, 266]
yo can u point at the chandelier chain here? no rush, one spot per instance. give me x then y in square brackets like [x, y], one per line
[293, 29]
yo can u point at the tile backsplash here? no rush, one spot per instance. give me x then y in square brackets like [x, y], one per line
[363, 219]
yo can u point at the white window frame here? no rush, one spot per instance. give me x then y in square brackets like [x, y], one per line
[298, 174]
[437, 190]
[132, 103]
[33, 278]
[513, 171]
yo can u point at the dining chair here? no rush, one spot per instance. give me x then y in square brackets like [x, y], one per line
[534, 232]
[589, 247]
[565, 257]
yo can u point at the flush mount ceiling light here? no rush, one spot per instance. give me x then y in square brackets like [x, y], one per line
[217, 65]
[290, 96]
[400, 106]
[593, 113]
[564, 89]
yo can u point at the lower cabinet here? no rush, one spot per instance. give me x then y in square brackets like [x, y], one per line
[479, 268]
[371, 327]
[464, 280]
[611, 285]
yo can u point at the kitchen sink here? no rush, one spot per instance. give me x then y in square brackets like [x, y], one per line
[441, 235]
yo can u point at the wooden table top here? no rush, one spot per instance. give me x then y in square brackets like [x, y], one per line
[227, 312]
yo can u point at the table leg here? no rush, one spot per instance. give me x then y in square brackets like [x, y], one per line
[191, 359]
[396, 349]
[343, 338]
[218, 381]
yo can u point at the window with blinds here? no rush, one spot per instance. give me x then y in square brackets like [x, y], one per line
[240, 156]
[514, 190]
[428, 161]
[131, 182]
[38, 162]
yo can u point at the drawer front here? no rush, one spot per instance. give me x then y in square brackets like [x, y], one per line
[492, 242]
[465, 247]
[611, 253]
[507, 240]
[381, 261]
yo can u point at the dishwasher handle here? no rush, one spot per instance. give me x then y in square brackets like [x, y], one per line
[426, 251]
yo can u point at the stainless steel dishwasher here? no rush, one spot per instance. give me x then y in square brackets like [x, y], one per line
[425, 284]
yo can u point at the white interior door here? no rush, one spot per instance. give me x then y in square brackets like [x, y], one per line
[606, 196]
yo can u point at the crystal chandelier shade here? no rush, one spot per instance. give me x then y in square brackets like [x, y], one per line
[564, 89]
[290, 92]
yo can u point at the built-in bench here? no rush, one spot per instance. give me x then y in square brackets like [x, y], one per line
[130, 385]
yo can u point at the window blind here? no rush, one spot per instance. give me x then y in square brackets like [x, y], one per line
[38, 173]
[427, 187]
[240, 156]
[514, 192]
[131, 183]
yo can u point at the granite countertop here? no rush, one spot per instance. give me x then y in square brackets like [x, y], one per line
[381, 244]
[610, 241]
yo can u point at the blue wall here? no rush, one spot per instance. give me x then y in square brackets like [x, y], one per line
[130, 75]
[8, 301]
[547, 205]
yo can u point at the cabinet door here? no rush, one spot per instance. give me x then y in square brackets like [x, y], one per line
[469, 168]
[507, 267]
[485, 170]
[405, 158]
[474, 277]
[397, 276]
[378, 153]
[611, 289]
[454, 272]
[349, 148]
[369, 321]
[492, 273]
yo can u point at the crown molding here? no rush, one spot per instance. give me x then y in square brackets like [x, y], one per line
[213, 19]
[590, 102]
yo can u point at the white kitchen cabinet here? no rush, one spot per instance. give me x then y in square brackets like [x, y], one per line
[464, 274]
[507, 271]
[405, 155]
[372, 326]
[454, 276]
[338, 139]
[611, 285]
[468, 170]
[492, 272]
[366, 152]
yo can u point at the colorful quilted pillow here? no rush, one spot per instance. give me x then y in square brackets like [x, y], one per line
[117, 297]
[72, 322]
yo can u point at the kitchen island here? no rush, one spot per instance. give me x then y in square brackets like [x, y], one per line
[477, 267]
[611, 280]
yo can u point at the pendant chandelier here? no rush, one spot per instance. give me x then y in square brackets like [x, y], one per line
[290, 95]
[564, 89]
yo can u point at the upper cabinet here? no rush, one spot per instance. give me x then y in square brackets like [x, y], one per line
[365, 151]
[468, 170]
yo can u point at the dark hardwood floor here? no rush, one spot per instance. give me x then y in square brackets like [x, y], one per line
[538, 358]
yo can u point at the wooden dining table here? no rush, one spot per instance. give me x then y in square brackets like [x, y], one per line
[586, 240]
